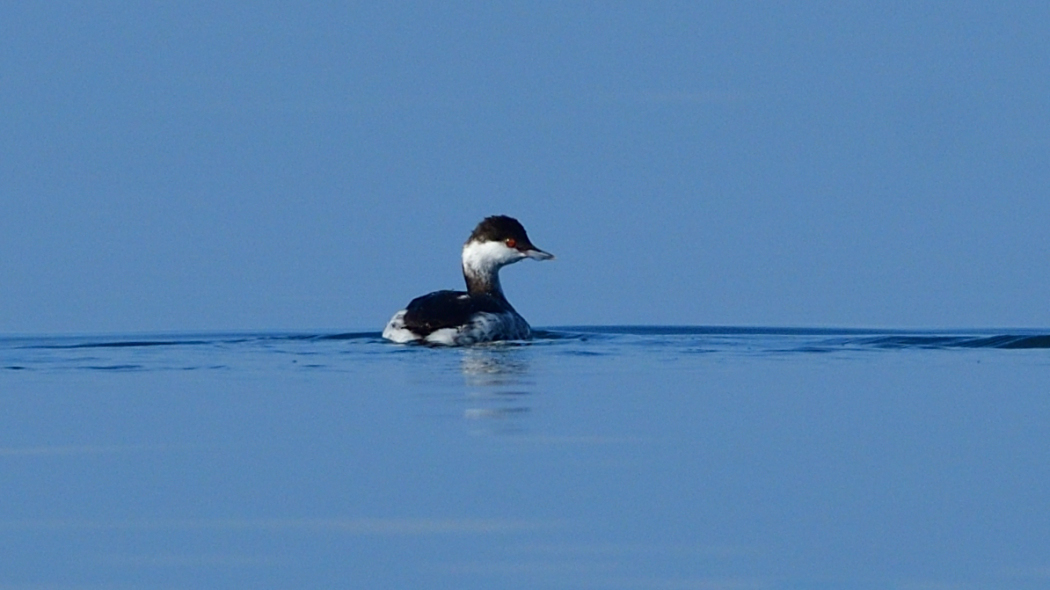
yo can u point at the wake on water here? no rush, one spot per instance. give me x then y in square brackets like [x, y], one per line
[143, 352]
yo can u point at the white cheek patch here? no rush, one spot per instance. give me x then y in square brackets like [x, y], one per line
[486, 257]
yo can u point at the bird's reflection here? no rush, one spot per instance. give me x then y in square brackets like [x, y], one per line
[494, 366]
[498, 381]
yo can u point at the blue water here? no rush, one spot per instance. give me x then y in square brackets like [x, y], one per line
[591, 457]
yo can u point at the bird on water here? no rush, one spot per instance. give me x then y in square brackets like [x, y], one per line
[482, 312]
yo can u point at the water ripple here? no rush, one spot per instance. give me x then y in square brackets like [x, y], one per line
[340, 350]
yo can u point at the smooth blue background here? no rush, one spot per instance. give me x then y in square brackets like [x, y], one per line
[235, 165]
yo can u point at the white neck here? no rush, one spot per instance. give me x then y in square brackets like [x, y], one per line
[481, 264]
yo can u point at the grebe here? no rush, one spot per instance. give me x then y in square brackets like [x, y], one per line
[481, 313]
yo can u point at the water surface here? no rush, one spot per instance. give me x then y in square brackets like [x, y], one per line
[591, 457]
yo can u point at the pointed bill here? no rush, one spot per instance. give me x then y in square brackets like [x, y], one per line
[537, 254]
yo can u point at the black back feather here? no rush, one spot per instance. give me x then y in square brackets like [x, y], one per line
[447, 309]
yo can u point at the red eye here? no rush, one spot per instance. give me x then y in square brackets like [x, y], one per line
[511, 243]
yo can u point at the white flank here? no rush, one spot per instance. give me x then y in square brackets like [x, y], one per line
[396, 331]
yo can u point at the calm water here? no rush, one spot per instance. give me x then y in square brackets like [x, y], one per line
[668, 458]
